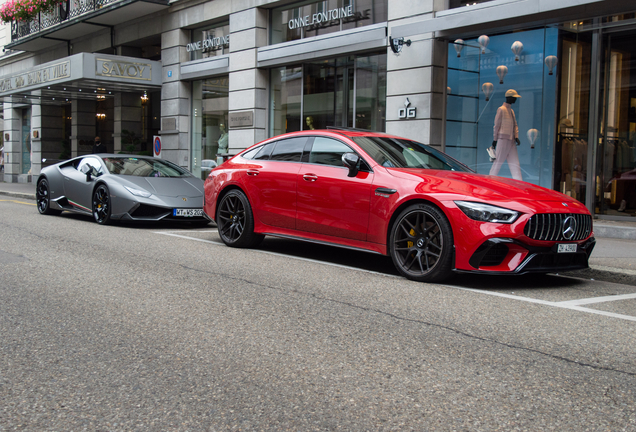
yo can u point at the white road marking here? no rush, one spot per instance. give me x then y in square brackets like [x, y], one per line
[570, 304]
[598, 300]
[169, 233]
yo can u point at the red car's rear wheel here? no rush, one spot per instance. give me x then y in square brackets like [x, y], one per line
[236, 222]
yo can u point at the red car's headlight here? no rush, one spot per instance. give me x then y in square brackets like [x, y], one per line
[487, 213]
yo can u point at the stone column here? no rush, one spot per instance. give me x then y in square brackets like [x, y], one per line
[248, 85]
[175, 99]
[416, 74]
[12, 142]
[36, 141]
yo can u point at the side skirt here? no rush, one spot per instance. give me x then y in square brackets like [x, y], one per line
[321, 242]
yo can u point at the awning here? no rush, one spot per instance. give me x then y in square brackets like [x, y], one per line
[81, 76]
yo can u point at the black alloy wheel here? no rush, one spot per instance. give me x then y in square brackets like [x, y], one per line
[101, 205]
[236, 221]
[43, 198]
[421, 244]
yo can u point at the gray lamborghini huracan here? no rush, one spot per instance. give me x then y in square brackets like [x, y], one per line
[121, 187]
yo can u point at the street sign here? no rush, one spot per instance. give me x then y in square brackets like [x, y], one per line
[156, 146]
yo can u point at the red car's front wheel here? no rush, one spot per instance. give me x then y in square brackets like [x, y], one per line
[421, 244]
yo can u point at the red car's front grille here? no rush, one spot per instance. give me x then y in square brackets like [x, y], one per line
[559, 227]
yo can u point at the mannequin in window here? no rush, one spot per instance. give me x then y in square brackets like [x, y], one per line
[310, 123]
[223, 144]
[505, 135]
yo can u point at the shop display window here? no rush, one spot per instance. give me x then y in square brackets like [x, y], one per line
[346, 91]
[480, 72]
[312, 18]
[616, 152]
[209, 124]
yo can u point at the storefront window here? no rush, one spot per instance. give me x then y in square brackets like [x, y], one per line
[452, 4]
[616, 152]
[311, 18]
[209, 124]
[286, 96]
[480, 72]
[347, 91]
[209, 42]
[571, 145]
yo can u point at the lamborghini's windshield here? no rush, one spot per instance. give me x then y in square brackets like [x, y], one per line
[402, 153]
[144, 167]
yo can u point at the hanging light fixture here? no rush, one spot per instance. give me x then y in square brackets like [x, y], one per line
[532, 136]
[483, 42]
[551, 61]
[501, 73]
[516, 48]
[487, 88]
[459, 46]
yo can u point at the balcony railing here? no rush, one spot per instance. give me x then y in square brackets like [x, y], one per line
[66, 11]
[72, 12]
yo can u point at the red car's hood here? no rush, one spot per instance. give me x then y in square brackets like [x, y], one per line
[483, 187]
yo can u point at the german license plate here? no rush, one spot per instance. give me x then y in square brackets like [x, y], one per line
[567, 248]
[187, 212]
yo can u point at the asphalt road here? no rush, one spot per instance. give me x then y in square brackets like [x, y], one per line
[143, 327]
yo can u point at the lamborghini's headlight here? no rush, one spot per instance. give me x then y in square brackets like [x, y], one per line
[487, 213]
[138, 192]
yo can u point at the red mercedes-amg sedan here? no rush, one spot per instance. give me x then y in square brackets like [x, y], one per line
[389, 195]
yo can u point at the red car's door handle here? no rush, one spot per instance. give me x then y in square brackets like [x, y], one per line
[252, 172]
[310, 177]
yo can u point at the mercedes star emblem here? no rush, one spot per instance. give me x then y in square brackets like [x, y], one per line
[569, 228]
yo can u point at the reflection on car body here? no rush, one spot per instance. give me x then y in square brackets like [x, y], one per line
[394, 196]
[117, 187]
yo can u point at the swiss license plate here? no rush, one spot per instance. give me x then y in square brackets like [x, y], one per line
[567, 248]
[187, 212]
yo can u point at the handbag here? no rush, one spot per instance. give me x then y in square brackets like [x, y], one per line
[491, 153]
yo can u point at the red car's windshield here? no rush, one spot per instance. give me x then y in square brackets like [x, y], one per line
[401, 153]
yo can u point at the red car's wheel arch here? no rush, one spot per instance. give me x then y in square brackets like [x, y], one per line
[397, 210]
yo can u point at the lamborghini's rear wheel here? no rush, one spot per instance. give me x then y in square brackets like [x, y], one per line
[43, 197]
[101, 205]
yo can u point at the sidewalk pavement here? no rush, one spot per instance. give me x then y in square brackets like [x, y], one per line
[613, 258]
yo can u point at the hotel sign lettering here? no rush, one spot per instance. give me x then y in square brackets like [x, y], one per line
[37, 76]
[122, 69]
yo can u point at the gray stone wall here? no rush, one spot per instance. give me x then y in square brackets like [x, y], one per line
[175, 98]
[248, 85]
[416, 73]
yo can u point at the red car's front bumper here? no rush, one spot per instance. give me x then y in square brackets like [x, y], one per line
[511, 256]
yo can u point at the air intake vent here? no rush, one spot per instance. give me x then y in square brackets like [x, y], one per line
[148, 211]
[559, 227]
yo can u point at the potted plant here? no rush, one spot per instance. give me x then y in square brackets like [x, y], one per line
[25, 10]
